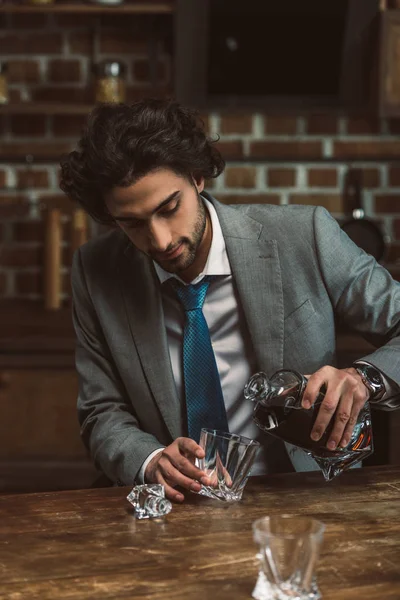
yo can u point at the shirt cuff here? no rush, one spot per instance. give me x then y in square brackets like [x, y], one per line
[142, 471]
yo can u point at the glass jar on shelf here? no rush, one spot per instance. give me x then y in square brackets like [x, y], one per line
[3, 83]
[110, 82]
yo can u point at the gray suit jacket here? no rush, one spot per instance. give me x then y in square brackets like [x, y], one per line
[295, 270]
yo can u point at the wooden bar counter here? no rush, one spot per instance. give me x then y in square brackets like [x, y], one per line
[86, 544]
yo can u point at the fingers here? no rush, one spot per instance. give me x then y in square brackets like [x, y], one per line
[342, 420]
[343, 395]
[174, 466]
[359, 401]
[325, 414]
[213, 478]
[172, 477]
[183, 463]
[348, 430]
[189, 448]
[314, 384]
[221, 472]
[350, 404]
[170, 492]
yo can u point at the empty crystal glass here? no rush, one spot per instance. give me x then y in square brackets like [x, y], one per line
[149, 501]
[289, 548]
[278, 411]
[227, 462]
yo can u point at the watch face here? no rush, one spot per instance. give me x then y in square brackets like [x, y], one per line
[373, 375]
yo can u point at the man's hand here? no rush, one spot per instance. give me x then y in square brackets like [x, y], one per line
[175, 466]
[345, 391]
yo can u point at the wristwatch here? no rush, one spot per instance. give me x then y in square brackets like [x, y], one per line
[372, 379]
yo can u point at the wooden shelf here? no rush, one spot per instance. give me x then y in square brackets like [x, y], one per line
[149, 7]
[45, 108]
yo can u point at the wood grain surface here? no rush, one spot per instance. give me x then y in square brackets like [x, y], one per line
[87, 544]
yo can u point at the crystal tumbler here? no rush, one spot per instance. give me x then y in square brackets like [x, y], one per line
[289, 547]
[227, 462]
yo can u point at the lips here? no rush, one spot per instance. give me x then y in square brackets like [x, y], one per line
[171, 254]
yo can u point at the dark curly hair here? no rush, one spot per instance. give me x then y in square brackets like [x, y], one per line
[122, 143]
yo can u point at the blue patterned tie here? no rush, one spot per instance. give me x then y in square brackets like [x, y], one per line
[204, 400]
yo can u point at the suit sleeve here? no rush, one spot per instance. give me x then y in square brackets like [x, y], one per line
[364, 296]
[109, 427]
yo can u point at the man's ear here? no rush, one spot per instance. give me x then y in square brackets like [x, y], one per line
[199, 183]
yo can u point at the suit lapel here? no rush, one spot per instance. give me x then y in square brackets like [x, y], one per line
[255, 266]
[141, 291]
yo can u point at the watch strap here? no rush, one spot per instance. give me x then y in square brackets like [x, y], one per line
[376, 391]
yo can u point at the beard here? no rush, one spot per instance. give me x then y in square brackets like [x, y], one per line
[191, 244]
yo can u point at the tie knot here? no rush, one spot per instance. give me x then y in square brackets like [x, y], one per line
[191, 296]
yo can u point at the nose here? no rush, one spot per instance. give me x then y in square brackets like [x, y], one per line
[159, 236]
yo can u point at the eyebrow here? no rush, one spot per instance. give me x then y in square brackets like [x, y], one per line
[156, 209]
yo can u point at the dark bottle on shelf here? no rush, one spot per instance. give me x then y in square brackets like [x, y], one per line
[278, 411]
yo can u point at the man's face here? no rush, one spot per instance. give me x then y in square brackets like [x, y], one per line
[164, 217]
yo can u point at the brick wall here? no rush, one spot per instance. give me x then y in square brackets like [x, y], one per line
[303, 159]
[49, 59]
[279, 159]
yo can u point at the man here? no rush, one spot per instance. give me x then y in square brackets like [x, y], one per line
[272, 279]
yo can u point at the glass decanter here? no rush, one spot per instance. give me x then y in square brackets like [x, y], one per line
[278, 411]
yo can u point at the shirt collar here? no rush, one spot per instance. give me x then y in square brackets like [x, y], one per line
[217, 260]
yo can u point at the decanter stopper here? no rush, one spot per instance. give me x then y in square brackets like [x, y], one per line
[257, 388]
[149, 501]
